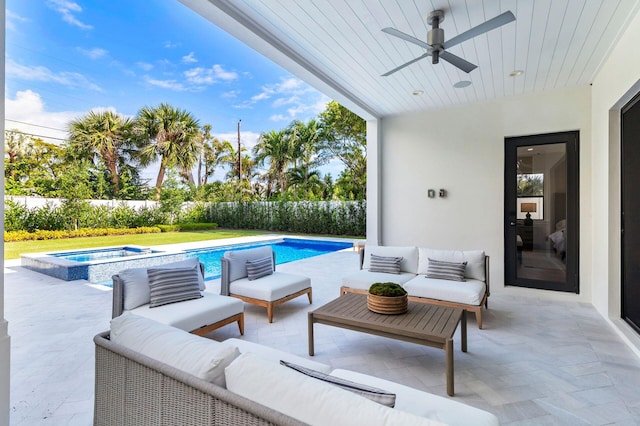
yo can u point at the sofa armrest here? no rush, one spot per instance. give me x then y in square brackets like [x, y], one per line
[486, 274]
[118, 296]
[160, 385]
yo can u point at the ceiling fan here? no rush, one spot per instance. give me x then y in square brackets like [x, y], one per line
[436, 45]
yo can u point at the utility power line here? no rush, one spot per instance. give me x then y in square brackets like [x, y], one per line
[35, 125]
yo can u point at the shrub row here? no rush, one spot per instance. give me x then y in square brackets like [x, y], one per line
[43, 234]
[188, 227]
[311, 217]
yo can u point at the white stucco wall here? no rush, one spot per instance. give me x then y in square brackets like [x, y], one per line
[616, 83]
[461, 150]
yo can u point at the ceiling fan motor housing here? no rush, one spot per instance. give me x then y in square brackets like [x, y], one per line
[435, 36]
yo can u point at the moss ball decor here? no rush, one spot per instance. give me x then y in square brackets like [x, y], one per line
[387, 298]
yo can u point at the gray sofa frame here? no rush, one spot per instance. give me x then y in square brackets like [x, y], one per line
[117, 308]
[477, 310]
[132, 389]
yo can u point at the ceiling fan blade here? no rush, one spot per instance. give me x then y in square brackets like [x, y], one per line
[406, 37]
[457, 61]
[489, 25]
[405, 65]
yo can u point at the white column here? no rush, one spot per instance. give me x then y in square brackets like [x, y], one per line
[374, 209]
[5, 340]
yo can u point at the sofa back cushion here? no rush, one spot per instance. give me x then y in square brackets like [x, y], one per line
[307, 399]
[474, 258]
[136, 282]
[409, 262]
[238, 260]
[201, 357]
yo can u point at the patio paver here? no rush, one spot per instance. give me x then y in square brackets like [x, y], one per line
[565, 367]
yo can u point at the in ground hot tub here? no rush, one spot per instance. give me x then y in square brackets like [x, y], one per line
[96, 265]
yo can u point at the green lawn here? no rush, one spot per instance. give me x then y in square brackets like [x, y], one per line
[13, 250]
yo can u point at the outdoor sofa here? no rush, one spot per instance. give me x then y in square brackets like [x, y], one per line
[200, 311]
[149, 373]
[457, 278]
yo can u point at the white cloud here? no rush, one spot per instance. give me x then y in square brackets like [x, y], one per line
[95, 53]
[170, 45]
[44, 74]
[207, 76]
[145, 65]
[166, 84]
[300, 100]
[28, 113]
[248, 139]
[13, 20]
[68, 9]
[190, 58]
[230, 94]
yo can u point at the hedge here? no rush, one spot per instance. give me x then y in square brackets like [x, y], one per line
[310, 217]
[41, 234]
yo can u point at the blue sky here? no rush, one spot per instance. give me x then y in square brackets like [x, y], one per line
[65, 58]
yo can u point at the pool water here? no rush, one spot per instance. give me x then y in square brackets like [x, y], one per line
[101, 254]
[286, 250]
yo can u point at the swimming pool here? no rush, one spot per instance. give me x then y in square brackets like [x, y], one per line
[102, 254]
[286, 250]
[99, 264]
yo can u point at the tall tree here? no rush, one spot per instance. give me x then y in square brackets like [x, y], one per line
[171, 136]
[306, 146]
[274, 148]
[344, 136]
[105, 135]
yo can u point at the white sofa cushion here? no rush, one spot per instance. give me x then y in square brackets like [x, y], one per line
[192, 314]
[409, 262]
[136, 282]
[275, 355]
[363, 279]
[474, 259]
[238, 260]
[203, 358]
[469, 292]
[307, 399]
[423, 404]
[270, 288]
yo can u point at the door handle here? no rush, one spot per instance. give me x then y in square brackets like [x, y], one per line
[512, 223]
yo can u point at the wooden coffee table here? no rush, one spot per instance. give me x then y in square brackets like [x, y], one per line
[424, 324]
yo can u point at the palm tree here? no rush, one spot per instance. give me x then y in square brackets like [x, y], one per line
[171, 135]
[106, 135]
[275, 148]
[306, 140]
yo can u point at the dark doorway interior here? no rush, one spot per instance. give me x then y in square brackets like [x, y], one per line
[631, 213]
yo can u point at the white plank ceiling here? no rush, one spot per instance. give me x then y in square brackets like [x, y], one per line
[558, 44]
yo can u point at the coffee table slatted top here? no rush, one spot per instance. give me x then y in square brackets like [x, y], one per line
[438, 323]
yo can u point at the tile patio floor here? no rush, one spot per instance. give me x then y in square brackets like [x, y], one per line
[536, 362]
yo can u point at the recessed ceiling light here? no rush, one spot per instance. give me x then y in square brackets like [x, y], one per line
[461, 84]
[418, 92]
[529, 149]
[516, 73]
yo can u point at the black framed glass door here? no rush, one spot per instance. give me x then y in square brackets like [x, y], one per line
[541, 211]
[630, 208]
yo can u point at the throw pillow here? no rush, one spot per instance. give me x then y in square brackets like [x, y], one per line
[172, 285]
[375, 394]
[387, 265]
[259, 268]
[453, 271]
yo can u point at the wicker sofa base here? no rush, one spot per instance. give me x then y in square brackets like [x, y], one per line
[132, 389]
